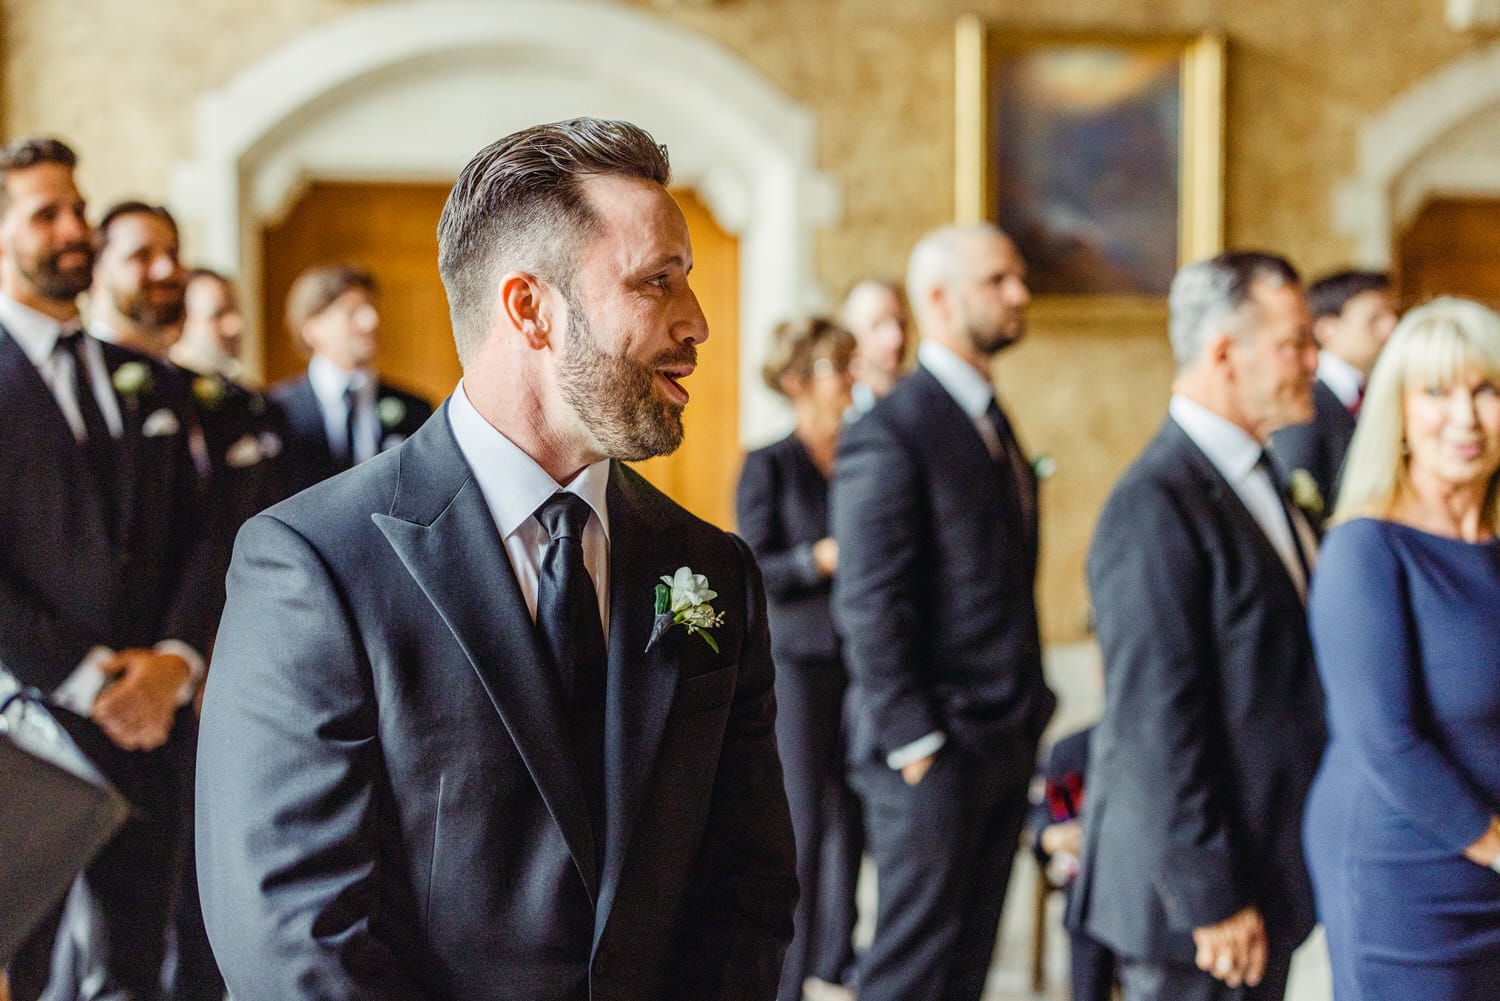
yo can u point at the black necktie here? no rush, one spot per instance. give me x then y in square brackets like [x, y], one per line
[1265, 462]
[351, 401]
[1015, 462]
[98, 445]
[567, 612]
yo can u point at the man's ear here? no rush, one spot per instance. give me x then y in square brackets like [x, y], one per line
[524, 304]
[1218, 349]
[1324, 328]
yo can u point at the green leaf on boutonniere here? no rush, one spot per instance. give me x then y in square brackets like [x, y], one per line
[663, 599]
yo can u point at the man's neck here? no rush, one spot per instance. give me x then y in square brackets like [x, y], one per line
[132, 336]
[1217, 401]
[60, 310]
[516, 410]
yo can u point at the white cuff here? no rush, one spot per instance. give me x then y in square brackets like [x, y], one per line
[916, 750]
[78, 692]
[197, 668]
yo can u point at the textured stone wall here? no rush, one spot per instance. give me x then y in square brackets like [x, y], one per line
[119, 80]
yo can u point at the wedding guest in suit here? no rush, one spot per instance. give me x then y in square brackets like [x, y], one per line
[97, 563]
[1403, 824]
[783, 515]
[1192, 864]
[340, 411]
[875, 313]
[1352, 317]
[935, 513]
[489, 753]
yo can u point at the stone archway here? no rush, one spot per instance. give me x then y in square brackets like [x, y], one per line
[410, 90]
[1441, 136]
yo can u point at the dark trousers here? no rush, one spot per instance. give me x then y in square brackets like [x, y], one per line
[1153, 980]
[943, 851]
[111, 941]
[1093, 968]
[825, 819]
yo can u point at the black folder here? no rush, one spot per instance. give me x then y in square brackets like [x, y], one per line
[56, 813]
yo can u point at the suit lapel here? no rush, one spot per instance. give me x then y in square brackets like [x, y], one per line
[129, 447]
[641, 683]
[441, 528]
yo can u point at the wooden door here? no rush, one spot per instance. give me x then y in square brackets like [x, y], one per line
[391, 229]
[1451, 248]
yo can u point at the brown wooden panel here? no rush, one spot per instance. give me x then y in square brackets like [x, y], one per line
[1451, 248]
[391, 229]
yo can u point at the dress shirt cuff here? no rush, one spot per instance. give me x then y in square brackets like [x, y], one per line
[811, 575]
[79, 690]
[917, 750]
[197, 668]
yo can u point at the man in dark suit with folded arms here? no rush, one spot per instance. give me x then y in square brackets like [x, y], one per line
[97, 563]
[935, 512]
[459, 740]
[1213, 720]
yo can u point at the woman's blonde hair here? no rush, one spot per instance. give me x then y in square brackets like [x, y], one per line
[1433, 345]
[797, 344]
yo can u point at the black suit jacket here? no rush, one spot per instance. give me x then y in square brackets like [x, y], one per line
[309, 458]
[386, 805]
[1319, 445]
[68, 578]
[933, 598]
[782, 511]
[1213, 721]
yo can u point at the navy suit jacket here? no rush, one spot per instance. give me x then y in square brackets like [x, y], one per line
[934, 595]
[386, 804]
[1213, 719]
[309, 458]
[1319, 445]
[783, 510]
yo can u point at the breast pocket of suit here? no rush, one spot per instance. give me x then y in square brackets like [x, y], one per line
[702, 692]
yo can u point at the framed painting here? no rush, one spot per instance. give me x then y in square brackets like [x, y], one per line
[1101, 155]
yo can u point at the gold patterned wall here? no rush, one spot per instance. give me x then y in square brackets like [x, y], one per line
[119, 80]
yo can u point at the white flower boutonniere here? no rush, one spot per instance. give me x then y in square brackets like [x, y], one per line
[1307, 496]
[683, 600]
[132, 379]
[391, 412]
[1043, 466]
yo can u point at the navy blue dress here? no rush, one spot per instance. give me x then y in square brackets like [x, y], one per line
[1406, 629]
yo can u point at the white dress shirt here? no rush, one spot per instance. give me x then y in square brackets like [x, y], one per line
[514, 487]
[328, 383]
[1344, 379]
[36, 334]
[1236, 455]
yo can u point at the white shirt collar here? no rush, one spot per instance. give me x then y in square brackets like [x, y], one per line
[328, 382]
[1338, 375]
[1228, 446]
[35, 332]
[969, 389]
[512, 483]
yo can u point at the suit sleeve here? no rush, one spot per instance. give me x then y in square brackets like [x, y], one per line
[788, 569]
[878, 520]
[745, 885]
[38, 647]
[1362, 632]
[288, 767]
[1149, 584]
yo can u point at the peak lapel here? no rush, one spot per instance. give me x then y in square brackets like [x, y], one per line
[442, 530]
[641, 683]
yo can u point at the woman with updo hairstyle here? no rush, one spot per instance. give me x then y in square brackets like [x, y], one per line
[783, 515]
[1402, 827]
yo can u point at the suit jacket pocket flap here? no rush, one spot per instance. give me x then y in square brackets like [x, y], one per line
[706, 691]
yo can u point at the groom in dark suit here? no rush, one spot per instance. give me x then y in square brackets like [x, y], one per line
[1213, 720]
[101, 605]
[460, 740]
[935, 511]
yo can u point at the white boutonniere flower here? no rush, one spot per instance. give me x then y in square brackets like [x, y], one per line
[132, 379]
[1306, 495]
[683, 600]
[391, 412]
[1043, 466]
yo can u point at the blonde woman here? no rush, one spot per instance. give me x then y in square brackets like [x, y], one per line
[1401, 825]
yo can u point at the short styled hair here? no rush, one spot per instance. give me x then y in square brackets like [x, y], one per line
[520, 204]
[797, 345]
[121, 209]
[1432, 345]
[1328, 296]
[315, 290]
[31, 152]
[1212, 295]
[937, 261]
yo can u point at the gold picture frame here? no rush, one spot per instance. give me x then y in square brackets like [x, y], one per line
[1105, 137]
